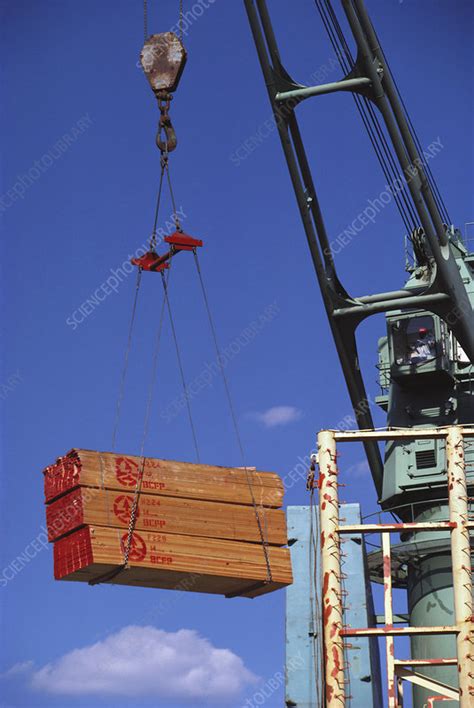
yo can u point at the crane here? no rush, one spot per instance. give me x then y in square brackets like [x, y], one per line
[427, 353]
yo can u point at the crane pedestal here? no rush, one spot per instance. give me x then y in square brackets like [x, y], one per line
[430, 602]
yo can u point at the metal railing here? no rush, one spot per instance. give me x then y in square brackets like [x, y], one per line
[459, 525]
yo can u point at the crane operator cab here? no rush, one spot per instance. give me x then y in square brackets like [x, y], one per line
[419, 344]
[426, 380]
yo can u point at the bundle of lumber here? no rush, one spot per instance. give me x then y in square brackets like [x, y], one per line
[196, 527]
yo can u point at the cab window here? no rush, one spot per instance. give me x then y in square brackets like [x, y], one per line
[414, 340]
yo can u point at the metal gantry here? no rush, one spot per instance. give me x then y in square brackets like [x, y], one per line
[335, 631]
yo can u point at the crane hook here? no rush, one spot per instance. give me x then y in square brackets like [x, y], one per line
[163, 58]
[165, 126]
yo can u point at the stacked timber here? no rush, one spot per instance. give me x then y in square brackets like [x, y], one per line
[197, 527]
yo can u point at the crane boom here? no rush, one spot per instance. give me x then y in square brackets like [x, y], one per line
[443, 292]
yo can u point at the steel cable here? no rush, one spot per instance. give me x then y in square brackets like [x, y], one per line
[248, 473]
[118, 409]
[157, 207]
[363, 101]
[181, 369]
[433, 184]
[370, 120]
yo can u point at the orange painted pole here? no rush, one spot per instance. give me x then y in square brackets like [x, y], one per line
[461, 562]
[331, 571]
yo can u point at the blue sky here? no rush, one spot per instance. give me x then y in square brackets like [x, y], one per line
[69, 69]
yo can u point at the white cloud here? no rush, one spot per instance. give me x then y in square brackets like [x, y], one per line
[148, 662]
[359, 469]
[22, 667]
[278, 415]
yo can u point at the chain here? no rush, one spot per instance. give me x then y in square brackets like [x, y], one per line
[180, 21]
[145, 19]
[138, 487]
[133, 516]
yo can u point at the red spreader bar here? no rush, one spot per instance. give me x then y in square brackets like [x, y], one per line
[178, 241]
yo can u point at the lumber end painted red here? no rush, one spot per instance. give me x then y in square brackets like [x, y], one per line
[72, 553]
[62, 476]
[65, 514]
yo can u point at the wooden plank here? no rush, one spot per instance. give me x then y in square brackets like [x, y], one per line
[169, 514]
[182, 582]
[166, 560]
[164, 477]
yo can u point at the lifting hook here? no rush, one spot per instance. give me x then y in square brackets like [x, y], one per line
[165, 126]
[163, 59]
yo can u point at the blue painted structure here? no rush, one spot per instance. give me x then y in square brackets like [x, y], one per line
[304, 660]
